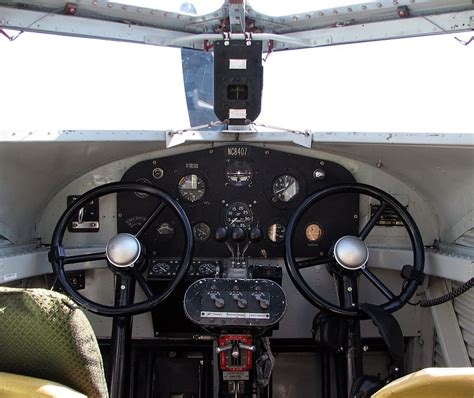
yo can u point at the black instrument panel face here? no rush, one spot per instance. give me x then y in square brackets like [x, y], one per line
[239, 186]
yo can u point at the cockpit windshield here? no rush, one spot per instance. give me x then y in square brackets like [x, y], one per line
[415, 85]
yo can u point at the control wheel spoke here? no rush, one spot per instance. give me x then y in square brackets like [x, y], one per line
[373, 220]
[151, 218]
[82, 258]
[143, 284]
[311, 262]
[374, 279]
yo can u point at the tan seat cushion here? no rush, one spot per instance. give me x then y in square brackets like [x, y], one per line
[16, 386]
[432, 383]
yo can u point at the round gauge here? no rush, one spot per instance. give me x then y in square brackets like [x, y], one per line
[143, 195]
[239, 173]
[238, 214]
[276, 233]
[201, 231]
[285, 188]
[191, 187]
[207, 269]
[313, 232]
[161, 268]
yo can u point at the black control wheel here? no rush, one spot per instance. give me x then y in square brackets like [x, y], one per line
[124, 253]
[350, 253]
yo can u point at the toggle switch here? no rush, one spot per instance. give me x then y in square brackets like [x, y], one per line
[218, 302]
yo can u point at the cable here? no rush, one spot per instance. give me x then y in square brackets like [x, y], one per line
[449, 296]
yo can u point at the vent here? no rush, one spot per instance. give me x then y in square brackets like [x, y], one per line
[464, 307]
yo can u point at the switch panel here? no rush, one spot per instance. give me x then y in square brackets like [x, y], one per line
[235, 302]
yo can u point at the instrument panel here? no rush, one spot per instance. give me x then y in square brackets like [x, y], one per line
[244, 193]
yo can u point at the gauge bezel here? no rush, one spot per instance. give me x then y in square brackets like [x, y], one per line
[240, 224]
[208, 234]
[180, 192]
[239, 184]
[298, 187]
[143, 180]
[321, 229]
[267, 232]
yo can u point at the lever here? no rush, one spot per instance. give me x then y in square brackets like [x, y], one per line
[218, 302]
[264, 303]
[241, 302]
[224, 348]
[247, 347]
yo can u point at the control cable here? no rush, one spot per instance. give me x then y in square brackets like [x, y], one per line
[449, 296]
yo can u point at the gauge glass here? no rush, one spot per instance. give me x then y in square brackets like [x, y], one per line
[207, 269]
[191, 187]
[276, 233]
[313, 232]
[285, 188]
[143, 195]
[201, 231]
[161, 268]
[238, 214]
[239, 173]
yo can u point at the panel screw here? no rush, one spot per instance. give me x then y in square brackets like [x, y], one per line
[349, 289]
[365, 348]
[122, 287]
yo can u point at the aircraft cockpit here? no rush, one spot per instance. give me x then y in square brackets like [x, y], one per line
[282, 206]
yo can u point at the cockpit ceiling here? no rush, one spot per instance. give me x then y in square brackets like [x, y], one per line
[341, 24]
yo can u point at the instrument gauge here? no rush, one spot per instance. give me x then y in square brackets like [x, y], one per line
[201, 231]
[191, 187]
[161, 268]
[238, 214]
[165, 231]
[313, 232]
[276, 233]
[143, 195]
[239, 173]
[207, 269]
[285, 188]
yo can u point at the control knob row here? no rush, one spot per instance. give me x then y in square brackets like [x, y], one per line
[238, 234]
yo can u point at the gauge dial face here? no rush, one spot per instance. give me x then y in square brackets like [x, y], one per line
[161, 268]
[201, 231]
[276, 233]
[165, 230]
[285, 188]
[207, 269]
[191, 187]
[238, 214]
[313, 232]
[239, 173]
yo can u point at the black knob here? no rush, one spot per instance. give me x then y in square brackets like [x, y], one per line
[255, 235]
[221, 234]
[238, 234]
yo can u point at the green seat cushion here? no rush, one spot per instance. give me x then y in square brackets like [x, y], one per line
[44, 334]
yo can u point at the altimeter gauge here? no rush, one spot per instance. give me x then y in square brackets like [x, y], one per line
[191, 187]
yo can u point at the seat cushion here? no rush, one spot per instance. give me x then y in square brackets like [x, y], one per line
[431, 382]
[45, 335]
[17, 386]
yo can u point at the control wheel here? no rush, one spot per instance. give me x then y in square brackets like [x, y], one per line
[124, 253]
[350, 254]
